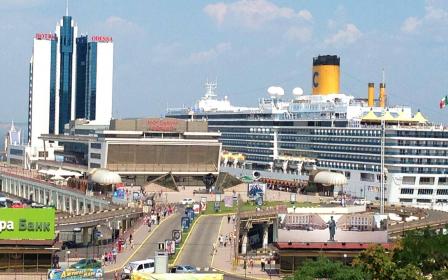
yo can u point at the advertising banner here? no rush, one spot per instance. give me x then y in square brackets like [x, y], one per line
[74, 273]
[185, 223]
[170, 247]
[27, 223]
[228, 201]
[196, 208]
[256, 189]
[190, 213]
[177, 236]
[176, 276]
[203, 203]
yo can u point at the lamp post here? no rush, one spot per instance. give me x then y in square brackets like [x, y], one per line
[345, 259]
[68, 258]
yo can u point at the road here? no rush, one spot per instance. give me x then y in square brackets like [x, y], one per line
[197, 250]
[161, 233]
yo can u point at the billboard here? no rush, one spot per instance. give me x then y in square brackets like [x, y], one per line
[170, 246]
[74, 273]
[256, 189]
[27, 223]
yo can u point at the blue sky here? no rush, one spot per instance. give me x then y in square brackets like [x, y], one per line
[165, 50]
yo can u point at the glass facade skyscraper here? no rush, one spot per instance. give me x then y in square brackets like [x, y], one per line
[68, 76]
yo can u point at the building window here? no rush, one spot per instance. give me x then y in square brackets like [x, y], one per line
[95, 145]
[95, 165]
[423, 200]
[442, 192]
[406, 200]
[426, 181]
[425, 191]
[16, 152]
[408, 180]
[43, 154]
[95, 155]
[368, 177]
[443, 181]
[407, 191]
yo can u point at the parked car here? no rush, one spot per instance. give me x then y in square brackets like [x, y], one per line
[69, 245]
[26, 201]
[37, 205]
[187, 201]
[86, 263]
[17, 204]
[362, 201]
[141, 266]
[185, 269]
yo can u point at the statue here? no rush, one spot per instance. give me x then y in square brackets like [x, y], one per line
[332, 228]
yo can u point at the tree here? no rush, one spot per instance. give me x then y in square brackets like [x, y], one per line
[440, 275]
[409, 272]
[427, 250]
[375, 261]
[327, 269]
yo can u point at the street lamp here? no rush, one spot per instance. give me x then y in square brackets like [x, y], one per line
[345, 259]
[68, 258]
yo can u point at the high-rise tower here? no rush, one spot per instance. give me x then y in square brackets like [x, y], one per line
[68, 77]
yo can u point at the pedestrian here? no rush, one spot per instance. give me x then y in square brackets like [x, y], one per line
[228, 219]
[214, 249]
[158, 218]
[233, 218]
[114, 254]
[109, 257]
[251, 263]
[149, 225]
[269, 263]
[263, 263]
[116, 275]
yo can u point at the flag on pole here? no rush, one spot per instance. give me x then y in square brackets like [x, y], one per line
[443, 102]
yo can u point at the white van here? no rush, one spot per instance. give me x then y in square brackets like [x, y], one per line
[140, 266]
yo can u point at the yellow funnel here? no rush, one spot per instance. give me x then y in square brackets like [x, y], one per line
[326, 74]
[371, 95]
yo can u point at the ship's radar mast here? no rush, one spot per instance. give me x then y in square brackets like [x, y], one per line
[210, 88]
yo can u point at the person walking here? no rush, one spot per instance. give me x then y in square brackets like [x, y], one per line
[114, 254]
[251, 263]
[228, 219]
[263, 264]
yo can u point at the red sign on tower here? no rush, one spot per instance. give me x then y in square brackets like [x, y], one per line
[45, 36]
[101, 39]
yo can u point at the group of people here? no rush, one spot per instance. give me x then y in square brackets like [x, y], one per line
[156, 214]
[110, 257]
[225, 239]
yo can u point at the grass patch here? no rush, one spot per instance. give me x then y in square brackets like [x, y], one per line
[251, 206]
[171, 258]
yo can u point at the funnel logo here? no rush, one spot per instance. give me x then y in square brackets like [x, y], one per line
[315, 76]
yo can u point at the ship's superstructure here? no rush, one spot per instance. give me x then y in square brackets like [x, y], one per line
[332, 131]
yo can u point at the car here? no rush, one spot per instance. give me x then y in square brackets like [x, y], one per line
[86, 263]
[69, 245]
[141, 266]
[187, 201]
[37, 205]
[26, 201]
[362, 201]
[17, 204]
[185, 269]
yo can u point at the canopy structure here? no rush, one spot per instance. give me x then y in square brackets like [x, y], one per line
[330, 178]
[370, 117]
[105, 177]
[419, 118]
[387, 117]
[403, 118]
[57, 178]
[59, 172]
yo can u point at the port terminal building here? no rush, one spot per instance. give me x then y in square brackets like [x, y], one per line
[141, 150]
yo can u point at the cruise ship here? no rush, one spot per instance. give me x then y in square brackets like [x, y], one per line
[383, 150]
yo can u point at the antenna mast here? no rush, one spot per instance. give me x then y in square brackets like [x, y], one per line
[66, 8]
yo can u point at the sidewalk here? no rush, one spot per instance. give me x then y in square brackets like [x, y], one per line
[223, 259]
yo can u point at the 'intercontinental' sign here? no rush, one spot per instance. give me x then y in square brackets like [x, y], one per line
[27, 223]
[163, 124]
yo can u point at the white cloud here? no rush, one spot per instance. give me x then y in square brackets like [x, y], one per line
[118, 22]
[410, 24]
[297, 33]
[205, 56]
[435, 17]
[347, 35]
[253, 13]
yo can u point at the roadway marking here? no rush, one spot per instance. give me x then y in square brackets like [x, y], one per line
[140, 246]
[219, 232]
[186, 239]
